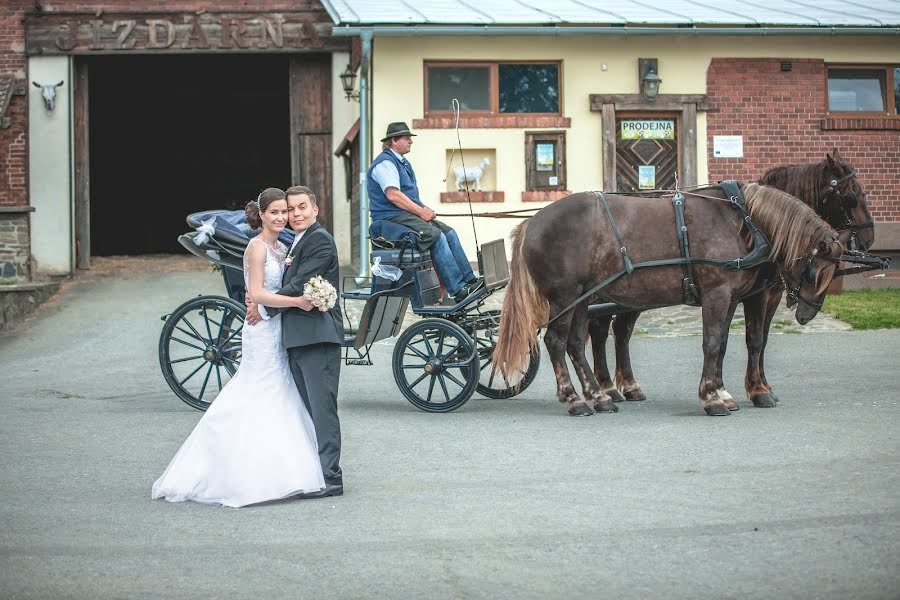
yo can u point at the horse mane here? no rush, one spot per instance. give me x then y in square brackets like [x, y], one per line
[802, 181]
[792, 227]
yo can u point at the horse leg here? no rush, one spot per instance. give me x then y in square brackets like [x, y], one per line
[599, 331]
[726, 397]
[715, 310]
[771, 308]
[592, 391]
[623, 327]
[556, 339]
[755, 309]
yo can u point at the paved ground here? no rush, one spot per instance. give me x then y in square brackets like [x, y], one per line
[499, 499]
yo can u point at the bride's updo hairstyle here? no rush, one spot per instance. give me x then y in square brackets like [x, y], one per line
[255, 208]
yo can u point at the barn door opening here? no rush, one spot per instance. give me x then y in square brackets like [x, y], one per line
[172, 135]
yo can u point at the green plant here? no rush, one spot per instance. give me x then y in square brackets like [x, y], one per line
[866, 309]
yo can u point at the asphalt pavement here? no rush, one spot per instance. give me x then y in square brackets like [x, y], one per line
[500, 499]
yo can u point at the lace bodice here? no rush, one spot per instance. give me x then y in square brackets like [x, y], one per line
[274, 267]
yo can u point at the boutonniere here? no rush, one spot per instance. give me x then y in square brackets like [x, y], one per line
[288, 260]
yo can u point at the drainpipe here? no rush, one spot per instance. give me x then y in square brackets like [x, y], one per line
[365, 146]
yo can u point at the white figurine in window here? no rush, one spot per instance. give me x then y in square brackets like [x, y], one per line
[470, 174]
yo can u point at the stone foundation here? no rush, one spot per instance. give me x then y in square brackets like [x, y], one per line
[15, 265]
[19, 300]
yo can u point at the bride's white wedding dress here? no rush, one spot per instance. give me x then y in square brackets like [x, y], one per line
[256, 442]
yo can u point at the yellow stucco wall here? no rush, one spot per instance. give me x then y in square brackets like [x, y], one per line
[398, 95]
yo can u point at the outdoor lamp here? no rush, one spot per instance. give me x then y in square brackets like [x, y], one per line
[348, 80]
[649, 78]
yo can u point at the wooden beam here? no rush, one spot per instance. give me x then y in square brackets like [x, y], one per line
[82, 168]
[608, 137]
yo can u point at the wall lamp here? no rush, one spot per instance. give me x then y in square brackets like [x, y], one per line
[648, 72]
[348, 82]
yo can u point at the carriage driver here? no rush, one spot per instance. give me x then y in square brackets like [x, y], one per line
[394, 196]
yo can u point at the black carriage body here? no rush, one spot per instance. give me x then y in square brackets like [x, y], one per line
[418, 280]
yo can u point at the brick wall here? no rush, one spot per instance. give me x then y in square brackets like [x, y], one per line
[782, 117]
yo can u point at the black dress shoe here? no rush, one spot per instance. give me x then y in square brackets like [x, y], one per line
[331, 489]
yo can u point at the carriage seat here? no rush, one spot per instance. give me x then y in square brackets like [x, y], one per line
[387, 234]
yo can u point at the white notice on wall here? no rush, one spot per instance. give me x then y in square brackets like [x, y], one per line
[728, 146]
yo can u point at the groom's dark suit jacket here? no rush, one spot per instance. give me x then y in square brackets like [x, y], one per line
[315, 254]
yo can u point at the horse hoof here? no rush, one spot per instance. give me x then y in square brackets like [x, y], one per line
[635, 396]
[773, 396]
[606, 407]
[717, 410]
[764, 401]
[731, 405]
[615, 395]
[580, 410]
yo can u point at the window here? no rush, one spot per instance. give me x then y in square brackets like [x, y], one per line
[864, 90]
[545, 160]
[493, 88]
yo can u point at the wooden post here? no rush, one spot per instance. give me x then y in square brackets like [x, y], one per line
[82, 168]
[689, 144]
[608, 137]
[311, 129]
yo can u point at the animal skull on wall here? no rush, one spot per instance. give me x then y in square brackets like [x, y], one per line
[48, 94]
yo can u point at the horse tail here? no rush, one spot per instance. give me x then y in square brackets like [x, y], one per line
[524, 311]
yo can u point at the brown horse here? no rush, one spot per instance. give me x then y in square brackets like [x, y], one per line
[833, 190]
[552, 273]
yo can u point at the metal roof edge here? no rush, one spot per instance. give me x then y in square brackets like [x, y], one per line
[554, 30]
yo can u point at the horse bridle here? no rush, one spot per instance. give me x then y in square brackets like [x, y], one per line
[847, 202]
[808, 275]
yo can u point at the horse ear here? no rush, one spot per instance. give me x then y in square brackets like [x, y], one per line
[830, 160]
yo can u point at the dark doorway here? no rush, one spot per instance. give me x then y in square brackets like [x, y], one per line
[172, 135]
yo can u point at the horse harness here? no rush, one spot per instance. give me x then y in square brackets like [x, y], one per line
[756, 257]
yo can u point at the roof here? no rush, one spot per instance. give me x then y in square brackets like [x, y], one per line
[679, 13]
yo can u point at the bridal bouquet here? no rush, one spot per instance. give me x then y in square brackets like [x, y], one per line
[320, 292]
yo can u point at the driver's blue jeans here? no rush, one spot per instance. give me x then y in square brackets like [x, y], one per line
[451, 263]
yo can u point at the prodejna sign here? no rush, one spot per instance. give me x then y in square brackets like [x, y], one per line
[648, 130]
[123, 33]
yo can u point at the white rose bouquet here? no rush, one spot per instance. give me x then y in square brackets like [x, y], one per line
[320, 292]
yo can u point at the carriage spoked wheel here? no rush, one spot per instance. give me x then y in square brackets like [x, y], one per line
[200, 348]
[435, 364]
[483, 328]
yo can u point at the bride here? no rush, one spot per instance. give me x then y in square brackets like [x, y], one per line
[257, 441]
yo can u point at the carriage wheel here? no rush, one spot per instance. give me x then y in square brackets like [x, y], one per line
[493, 385]
[433, 365]
[200, 348]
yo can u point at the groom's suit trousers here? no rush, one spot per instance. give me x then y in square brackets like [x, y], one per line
[316, 369]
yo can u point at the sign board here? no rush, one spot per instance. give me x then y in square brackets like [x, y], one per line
[647, 177]
[544, 159]
[648, 130]
[728, 146]
[169, 32]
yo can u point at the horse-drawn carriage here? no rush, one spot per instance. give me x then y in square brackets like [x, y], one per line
[438, 362]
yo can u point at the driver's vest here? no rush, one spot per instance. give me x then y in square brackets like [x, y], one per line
[379, 205]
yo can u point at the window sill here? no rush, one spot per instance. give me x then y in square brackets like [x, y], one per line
[855, 122]
[493, 122]
[455, 197]
[544, 196]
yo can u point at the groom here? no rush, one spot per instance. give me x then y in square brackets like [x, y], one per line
[312, 337]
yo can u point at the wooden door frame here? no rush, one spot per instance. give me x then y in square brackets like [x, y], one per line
[81, 160]
[608, 105]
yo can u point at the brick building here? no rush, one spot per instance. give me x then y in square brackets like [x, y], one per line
[167, 108]
[119, 119]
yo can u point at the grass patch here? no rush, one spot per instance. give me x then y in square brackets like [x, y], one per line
[737, 324]
[866, 309]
